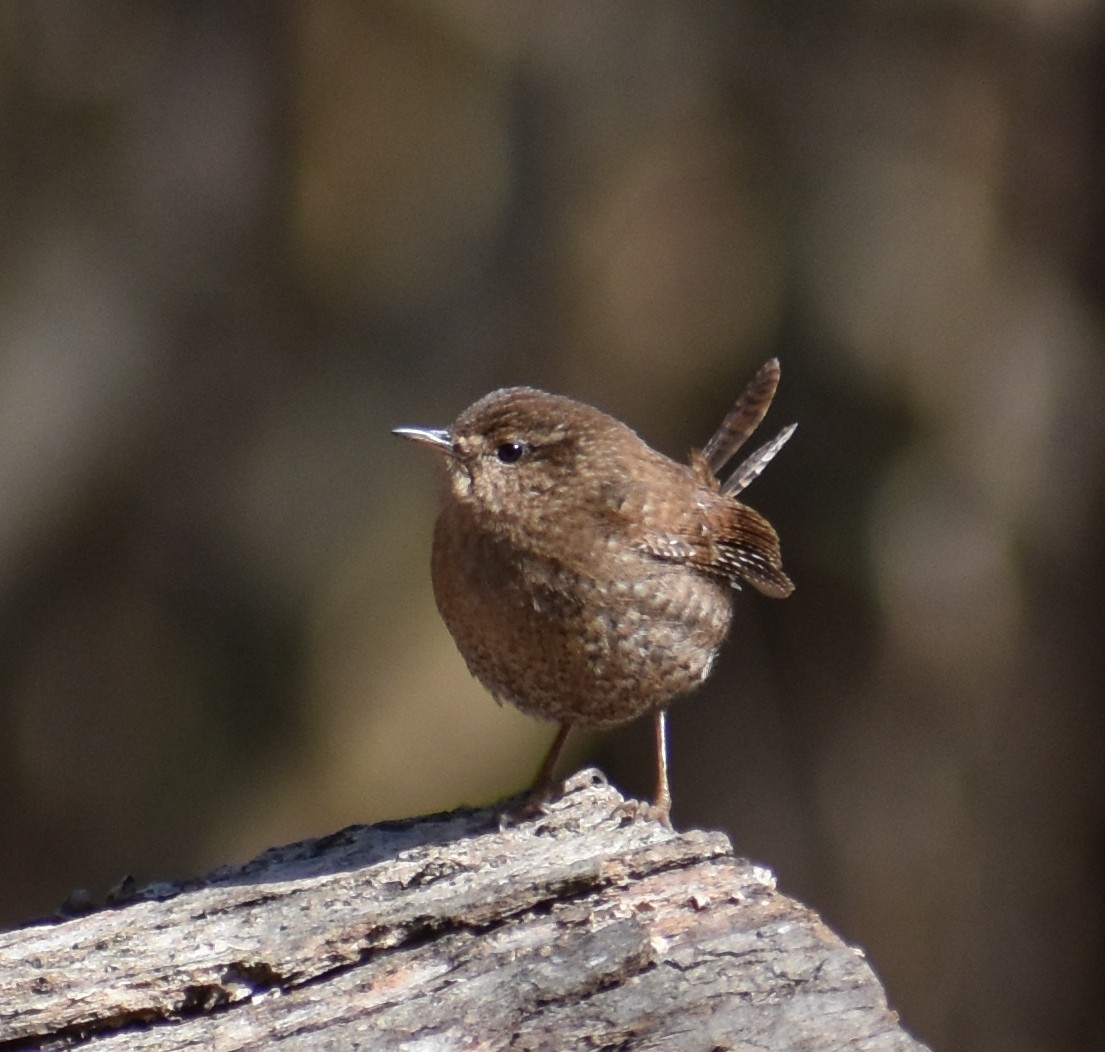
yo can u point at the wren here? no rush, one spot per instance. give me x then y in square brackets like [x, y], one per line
[586, 578]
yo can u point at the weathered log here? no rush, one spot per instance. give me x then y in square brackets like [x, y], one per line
[587, 928]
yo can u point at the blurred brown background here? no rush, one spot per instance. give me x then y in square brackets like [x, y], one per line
[243, 241]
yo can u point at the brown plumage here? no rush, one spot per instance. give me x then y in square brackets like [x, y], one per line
[586, 578]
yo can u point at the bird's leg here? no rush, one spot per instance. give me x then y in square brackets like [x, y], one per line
[660, 808]
[661, 802]
[542, 784]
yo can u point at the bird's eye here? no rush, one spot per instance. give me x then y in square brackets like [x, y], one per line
[511, 452]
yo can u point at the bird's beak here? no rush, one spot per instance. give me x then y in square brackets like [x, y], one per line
[436, 438]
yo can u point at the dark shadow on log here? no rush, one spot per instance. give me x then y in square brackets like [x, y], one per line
[581, 929]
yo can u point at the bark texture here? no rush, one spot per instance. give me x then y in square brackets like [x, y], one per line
[584, 929]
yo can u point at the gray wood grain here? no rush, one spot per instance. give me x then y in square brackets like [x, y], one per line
[584, 929]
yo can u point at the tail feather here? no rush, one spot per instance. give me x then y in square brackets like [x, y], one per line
[743, 418]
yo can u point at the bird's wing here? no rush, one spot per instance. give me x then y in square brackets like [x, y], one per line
[718, 535]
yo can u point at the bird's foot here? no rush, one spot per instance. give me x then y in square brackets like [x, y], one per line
[540, 800]
[516, 811]
[630, 811]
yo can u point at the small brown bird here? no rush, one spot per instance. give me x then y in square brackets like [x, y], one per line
[585, 577]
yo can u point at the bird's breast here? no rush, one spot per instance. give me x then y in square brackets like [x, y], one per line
[595, 636]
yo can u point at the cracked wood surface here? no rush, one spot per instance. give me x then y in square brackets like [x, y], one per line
[579, 930]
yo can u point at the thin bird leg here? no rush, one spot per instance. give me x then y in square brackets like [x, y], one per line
[542, 784]
[751, 468]
[743, 418]
[661, 802]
